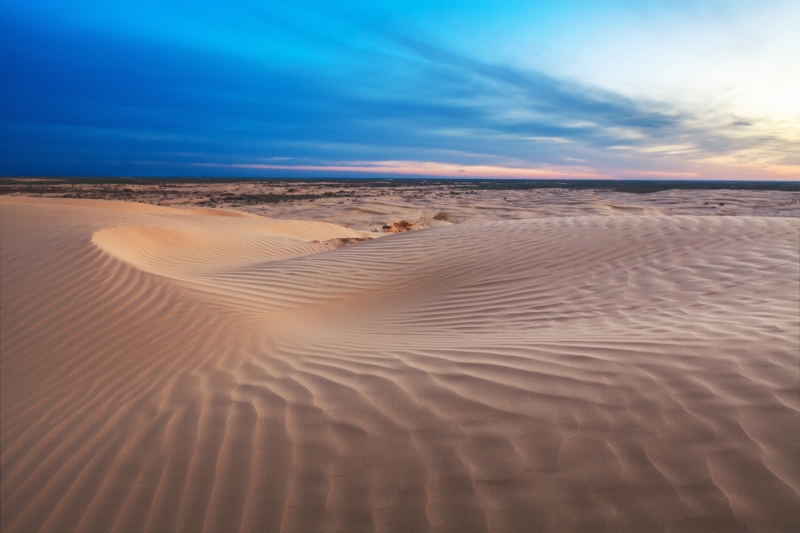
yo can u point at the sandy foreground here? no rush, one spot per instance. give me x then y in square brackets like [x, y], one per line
[631, 366]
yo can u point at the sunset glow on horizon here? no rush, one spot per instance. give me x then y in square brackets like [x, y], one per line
[426, 168]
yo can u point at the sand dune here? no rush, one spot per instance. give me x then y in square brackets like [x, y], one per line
[178, 370]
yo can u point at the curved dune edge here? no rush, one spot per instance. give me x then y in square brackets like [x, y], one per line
[125, 207]
[206, 253]
[576, 374]
[202, 246]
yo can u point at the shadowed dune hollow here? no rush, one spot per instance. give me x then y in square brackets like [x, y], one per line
[168, 370]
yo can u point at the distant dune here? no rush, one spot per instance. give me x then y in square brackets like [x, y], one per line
[211, 370]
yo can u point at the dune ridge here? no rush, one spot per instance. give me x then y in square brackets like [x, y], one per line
[170, 371]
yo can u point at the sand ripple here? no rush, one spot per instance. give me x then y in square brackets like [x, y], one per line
[174, 372]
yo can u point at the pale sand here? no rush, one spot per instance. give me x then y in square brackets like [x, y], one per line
[167, 370]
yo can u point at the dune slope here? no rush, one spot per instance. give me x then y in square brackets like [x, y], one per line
[167, 370]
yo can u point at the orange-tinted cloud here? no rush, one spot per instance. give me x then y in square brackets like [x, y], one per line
[427, 168]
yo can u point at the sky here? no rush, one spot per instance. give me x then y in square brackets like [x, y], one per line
[623, 89]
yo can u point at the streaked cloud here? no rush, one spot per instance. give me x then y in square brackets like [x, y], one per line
[427, 168]
[209, 87]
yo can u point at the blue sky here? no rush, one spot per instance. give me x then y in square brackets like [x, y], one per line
[584, 89]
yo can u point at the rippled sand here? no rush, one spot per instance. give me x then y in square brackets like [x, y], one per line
[208, 370]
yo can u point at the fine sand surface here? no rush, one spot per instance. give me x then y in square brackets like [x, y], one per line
[209, 370]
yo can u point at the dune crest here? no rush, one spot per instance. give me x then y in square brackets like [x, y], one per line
[125, 207]
[171, 371]
[213, 246]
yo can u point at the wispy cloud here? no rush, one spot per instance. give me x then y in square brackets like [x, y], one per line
[425, 168]
[262, 81]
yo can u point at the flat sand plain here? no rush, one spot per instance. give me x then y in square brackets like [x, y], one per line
[537, 361]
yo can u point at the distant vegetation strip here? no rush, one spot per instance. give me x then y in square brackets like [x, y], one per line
[40, 185]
